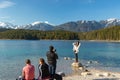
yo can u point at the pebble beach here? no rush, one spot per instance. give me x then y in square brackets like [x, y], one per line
[92, 73]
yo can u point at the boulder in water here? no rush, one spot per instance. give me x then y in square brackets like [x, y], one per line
[76, 64]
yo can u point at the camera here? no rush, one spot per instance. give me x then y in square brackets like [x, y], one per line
[54, 50]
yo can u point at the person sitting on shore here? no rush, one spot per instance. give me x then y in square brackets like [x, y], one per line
[43, 70]
[28, 72]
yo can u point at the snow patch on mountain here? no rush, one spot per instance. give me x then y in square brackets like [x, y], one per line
[35, 23]
[2, 24]
[111, 19]
[6, 25]
[112, 22]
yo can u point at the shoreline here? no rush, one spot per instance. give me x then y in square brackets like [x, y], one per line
[103, 40]
[93, 73]
[69, 40]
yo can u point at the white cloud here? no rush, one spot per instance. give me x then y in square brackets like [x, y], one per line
[5, 17]
[87, 1]
[56, 0]
[5, 4]
[12, 21]
[91, 1]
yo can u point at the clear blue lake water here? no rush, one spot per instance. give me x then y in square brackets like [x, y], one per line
[13, 54]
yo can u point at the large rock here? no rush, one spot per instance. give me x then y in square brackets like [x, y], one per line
[76, 64]
[86, 73]
[61, 73]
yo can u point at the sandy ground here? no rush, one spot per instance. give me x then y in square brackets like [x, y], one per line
[93, 74]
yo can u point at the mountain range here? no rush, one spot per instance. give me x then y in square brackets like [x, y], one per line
[75, 26]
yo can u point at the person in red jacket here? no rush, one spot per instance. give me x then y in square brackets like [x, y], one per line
[28, 72]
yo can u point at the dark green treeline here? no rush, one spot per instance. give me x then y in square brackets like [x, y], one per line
[112, 33]
[37, 35]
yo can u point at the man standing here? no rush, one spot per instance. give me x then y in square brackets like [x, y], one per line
[28, 72]
[52, 61]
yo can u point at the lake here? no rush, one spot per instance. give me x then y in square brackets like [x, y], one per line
[13, 54]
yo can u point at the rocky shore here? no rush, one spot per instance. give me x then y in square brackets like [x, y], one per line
[93, 74]
[85, 73]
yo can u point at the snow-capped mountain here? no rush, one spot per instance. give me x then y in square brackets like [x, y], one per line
[35, 23]
[33, 26]
[38, 26]
[78, 26]
[112, 22]
[7, 25]
[85, 26]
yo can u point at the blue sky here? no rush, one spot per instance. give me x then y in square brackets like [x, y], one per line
[22, 12]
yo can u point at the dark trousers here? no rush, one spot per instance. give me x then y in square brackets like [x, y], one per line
[76, 57]
[52, 70]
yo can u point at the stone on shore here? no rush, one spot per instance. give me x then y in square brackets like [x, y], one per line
[85, 73]
[76, 64]
[103, 74]
[61, 73]
[67, 58]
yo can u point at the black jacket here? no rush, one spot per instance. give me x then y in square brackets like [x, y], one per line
[52, 57]
[43, 71]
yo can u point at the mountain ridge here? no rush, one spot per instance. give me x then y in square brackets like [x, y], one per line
[75, 26]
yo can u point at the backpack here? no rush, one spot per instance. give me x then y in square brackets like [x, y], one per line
[58, 77]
